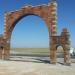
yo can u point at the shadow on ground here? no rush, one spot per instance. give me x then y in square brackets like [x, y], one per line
[36, 59]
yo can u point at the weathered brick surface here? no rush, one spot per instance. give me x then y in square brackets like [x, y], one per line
[64, 41]
[49, 14]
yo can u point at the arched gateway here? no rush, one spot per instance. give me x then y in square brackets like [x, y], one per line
[49, 14]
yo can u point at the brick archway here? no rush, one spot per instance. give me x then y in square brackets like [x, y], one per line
[65, 52]
[64, 41]
[46, 12]
[19, 19]
[49, 14]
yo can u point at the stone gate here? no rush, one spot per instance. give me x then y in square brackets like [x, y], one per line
[49, 14]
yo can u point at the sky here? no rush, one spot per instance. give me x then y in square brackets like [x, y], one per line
[31, 31]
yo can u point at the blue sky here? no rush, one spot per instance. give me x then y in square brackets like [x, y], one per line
[31, 31]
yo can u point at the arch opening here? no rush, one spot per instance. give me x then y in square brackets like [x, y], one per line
[60, 53]
[31, 29]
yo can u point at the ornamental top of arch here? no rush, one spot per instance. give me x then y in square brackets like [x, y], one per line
[29, 9]
[46, 12]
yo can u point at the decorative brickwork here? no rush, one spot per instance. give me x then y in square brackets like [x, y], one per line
[64, 41]
[49, 14]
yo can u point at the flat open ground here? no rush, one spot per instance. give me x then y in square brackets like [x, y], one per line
[34, 64]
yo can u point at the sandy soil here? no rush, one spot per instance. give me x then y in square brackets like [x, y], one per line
[34, 68]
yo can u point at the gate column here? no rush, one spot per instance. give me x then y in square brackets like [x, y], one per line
[53, 54]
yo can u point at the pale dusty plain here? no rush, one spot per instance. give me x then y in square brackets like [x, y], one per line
[34, 68]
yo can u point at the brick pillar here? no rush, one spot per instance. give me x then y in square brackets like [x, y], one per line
[6, 51]
[67, 60]
[53, 19]
[66, 44]
[53, 54]
[1, 46]
[1, 53]
[53, 50]
[6, 54]
[53, 31]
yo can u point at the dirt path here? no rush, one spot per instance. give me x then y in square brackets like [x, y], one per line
[31, 68]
